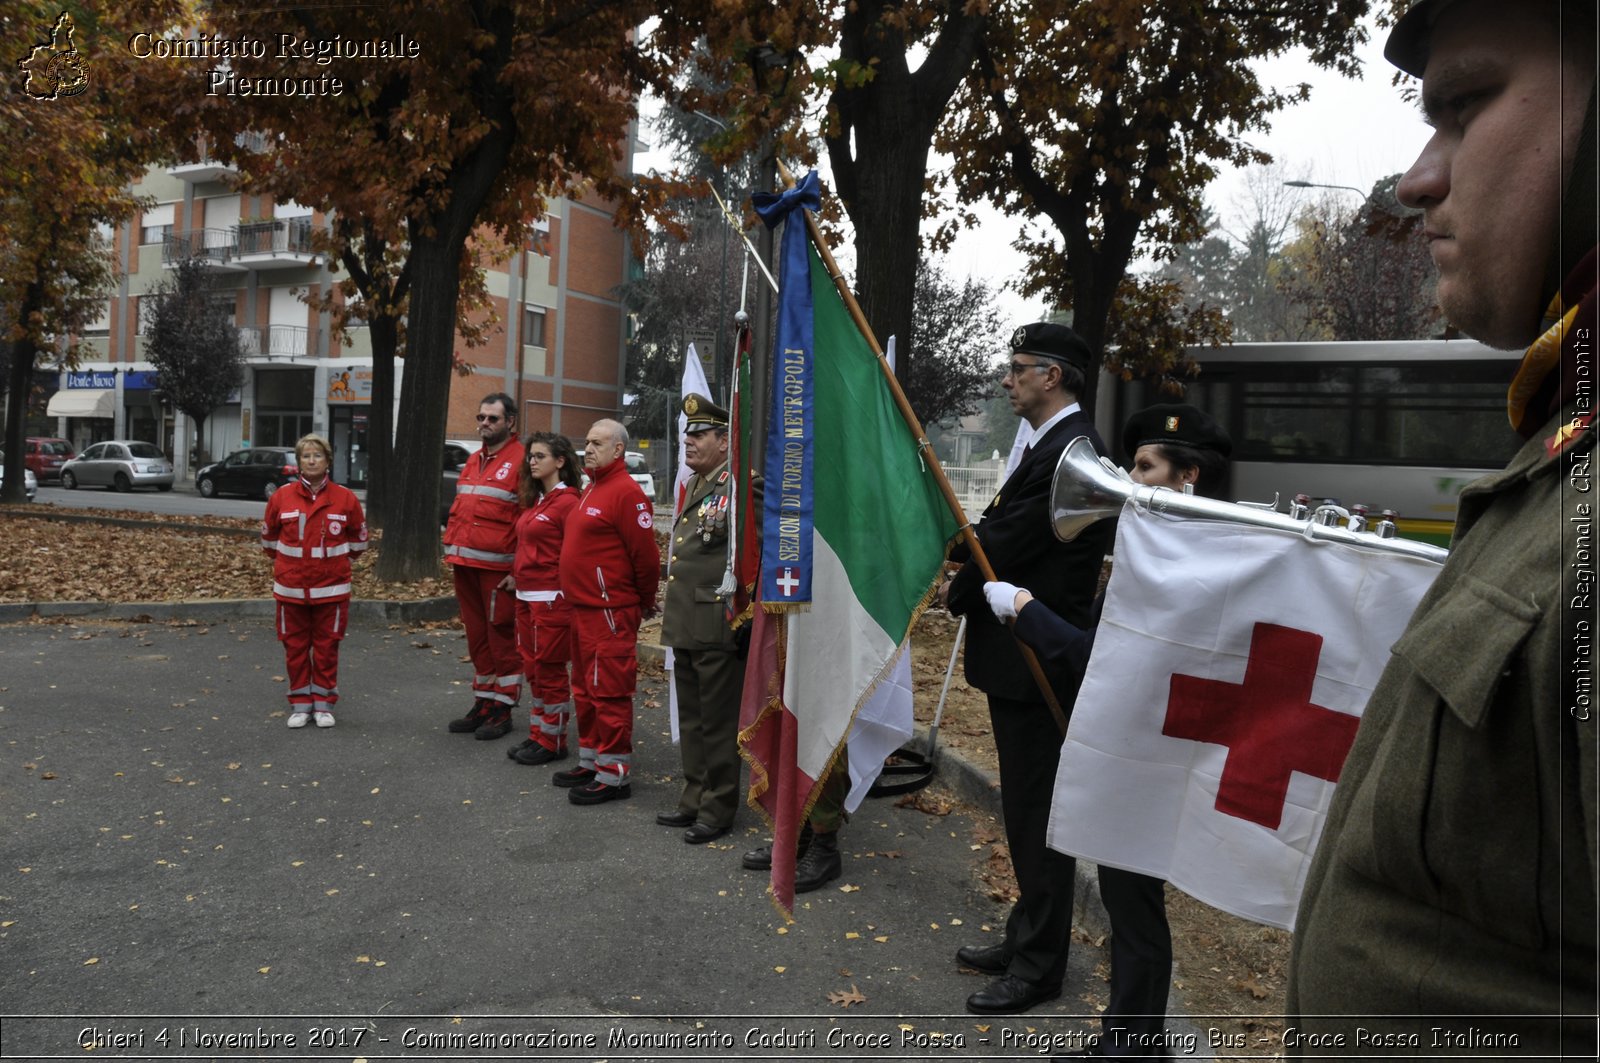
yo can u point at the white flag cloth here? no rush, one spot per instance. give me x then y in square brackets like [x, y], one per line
[1230, 668]
[694, 381]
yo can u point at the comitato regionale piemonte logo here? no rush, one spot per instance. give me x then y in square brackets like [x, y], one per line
[55, 68]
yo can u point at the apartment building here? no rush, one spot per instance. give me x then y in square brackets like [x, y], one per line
[559, 346]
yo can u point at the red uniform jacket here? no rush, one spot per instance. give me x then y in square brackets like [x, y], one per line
[482, 532]
[609, 556]
[539, 531]
[311, 538]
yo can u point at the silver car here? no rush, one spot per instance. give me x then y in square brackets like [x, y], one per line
[122, 464]
[30, 482]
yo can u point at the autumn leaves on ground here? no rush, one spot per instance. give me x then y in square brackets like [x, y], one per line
[1225, 966]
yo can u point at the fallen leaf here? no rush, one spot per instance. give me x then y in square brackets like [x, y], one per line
[884, 939]
[780, 970]
[48, 775]
[851, 935]
[363, 959]
[91, 961]
[849, 889]
[262, 970]
[846, 998]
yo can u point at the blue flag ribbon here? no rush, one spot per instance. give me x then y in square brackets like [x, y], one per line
[787, 512]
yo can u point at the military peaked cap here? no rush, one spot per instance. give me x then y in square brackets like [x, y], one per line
[703, 413]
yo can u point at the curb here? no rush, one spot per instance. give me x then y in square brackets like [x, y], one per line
[220, 609]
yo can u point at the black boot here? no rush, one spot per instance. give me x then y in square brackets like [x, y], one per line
[820, 865]
[761, 859]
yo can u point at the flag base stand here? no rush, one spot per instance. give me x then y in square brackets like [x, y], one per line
[908, 771]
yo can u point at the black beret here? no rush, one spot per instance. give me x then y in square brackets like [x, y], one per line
[1052, 341]
[703, 413]
[1175, 423]
[1407, 47]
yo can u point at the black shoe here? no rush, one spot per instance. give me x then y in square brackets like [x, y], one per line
[527, 743]
[598, 793]
[497, 725]
[534, 754]
[701, 833]
[990, 959]
[572, 777]
[761, 859]
[472, 720]
[820, 865]
[1011, 996]
[675, 818]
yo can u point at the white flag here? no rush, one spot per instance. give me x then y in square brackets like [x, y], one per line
[694, 381]
[1230, 668]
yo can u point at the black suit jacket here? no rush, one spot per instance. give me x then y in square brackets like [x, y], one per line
[1023, 549]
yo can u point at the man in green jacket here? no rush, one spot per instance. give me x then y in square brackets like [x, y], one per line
[708, 670]
[1451, 905]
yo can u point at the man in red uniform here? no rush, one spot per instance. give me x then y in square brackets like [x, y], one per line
[480, 542]
[610, 569]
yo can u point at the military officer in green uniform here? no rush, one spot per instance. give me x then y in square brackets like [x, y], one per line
[708, 671]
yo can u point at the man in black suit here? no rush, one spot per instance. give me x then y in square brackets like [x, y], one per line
[1043, 382]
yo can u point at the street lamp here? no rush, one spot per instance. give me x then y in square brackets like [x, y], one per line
[1317, 184]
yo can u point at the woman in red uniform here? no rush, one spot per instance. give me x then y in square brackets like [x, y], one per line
[312, 528]
[548, 492]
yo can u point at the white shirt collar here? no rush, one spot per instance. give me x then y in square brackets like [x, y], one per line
[1064, 412]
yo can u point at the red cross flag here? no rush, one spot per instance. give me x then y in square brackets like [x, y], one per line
[1230, 670]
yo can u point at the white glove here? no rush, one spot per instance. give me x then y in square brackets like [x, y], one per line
[1002, 599]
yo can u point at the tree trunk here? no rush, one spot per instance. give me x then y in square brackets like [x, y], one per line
[410, 547]
[384, 334]
[19, 386]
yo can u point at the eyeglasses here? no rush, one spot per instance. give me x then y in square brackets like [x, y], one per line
[1017, 368]
[487, 418]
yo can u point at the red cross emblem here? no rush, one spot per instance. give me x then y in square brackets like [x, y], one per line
[1268, 723]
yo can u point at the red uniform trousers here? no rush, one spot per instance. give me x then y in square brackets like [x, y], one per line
[605, 670]
[310, 633]
[490, 617]
[544, 638]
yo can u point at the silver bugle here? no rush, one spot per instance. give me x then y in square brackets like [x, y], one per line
[1084, 491]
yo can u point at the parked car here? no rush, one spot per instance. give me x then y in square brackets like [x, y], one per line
[639, 470]
[30, 482]
[45, 456]
[121, 464]
[457, 451]
[258, 471]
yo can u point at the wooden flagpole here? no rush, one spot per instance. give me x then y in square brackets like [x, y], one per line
[968, 533]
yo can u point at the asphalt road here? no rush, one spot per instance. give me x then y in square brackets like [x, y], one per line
[176, 859]
[181, 501]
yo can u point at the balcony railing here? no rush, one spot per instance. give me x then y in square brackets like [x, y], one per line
[292, 236]
[275, 341]
[218, 247]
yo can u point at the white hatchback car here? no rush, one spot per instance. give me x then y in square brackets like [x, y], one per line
[639, 470]
[121, 464]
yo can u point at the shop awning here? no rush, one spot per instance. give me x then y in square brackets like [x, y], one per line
[83, 402]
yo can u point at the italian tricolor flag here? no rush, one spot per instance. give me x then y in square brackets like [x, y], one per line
[877, 533]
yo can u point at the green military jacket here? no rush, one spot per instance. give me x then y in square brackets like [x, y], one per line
[695, 615]
[1457, 871]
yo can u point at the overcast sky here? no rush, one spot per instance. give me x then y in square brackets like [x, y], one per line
[1348, 133]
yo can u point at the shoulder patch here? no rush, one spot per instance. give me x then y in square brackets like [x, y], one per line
[644, 518]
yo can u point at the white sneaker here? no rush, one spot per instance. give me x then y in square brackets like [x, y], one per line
[324, 718]
[299, 718]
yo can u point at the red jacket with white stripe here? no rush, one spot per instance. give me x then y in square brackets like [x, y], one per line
[312, 538]
[609, 556]
[539, 532]
[481, 532]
